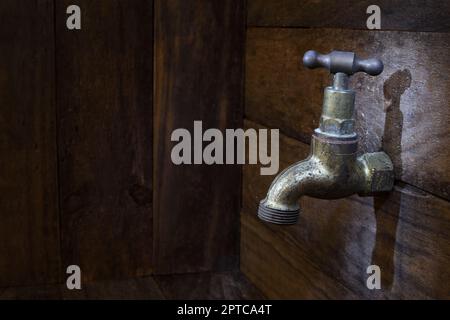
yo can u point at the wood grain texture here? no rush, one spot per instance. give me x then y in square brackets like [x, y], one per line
[405, 232]
[405, 111]
[136, 289]
[200, 286]
[29, 233]
[198, 76]
[104, 99]
[395, 14]
[38, 292]
[130, 289]
[221, 285]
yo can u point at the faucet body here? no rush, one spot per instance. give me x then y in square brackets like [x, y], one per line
[333, 169]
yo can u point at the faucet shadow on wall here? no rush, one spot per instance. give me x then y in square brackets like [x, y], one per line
[387, 206]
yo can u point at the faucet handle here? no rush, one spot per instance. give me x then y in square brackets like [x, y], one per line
[342, 61]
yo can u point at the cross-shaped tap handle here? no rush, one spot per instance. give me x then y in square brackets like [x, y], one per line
[342, 61]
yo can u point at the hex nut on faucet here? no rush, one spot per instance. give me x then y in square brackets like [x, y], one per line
[333, 169]
[379, 171]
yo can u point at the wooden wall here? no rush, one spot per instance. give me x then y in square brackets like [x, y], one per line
[29, 225]
[405, 112]
[76, 142]
[86, 173]
[104, 106]
[198, 76]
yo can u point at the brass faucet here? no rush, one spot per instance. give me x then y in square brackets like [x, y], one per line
[333, 169]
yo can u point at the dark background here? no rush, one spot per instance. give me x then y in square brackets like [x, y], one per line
[86, 176]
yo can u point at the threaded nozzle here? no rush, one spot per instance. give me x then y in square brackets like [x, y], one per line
[284, 217]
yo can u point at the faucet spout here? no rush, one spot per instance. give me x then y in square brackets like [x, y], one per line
[281, 205]
[333, 170]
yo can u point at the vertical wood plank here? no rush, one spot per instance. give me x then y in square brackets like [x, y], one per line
[29, 232]
[198, 76]
[104, 99]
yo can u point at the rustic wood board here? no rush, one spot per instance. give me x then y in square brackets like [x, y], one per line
[208, 285]
[405, 232]
[404, 111]
[136, 289]
[395, 15]
[221, 285]
[198, 76]
[38, 292]
[104, 99]
[29, 232]
[130, 289]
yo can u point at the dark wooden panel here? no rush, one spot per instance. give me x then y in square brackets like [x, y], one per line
[405, 110]
[104, 98]
[219, 285]
[43, 292]
[137, 289]
[223, 285]
[198, 76]
[411, 15]
[29, 235]
[405, 232]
